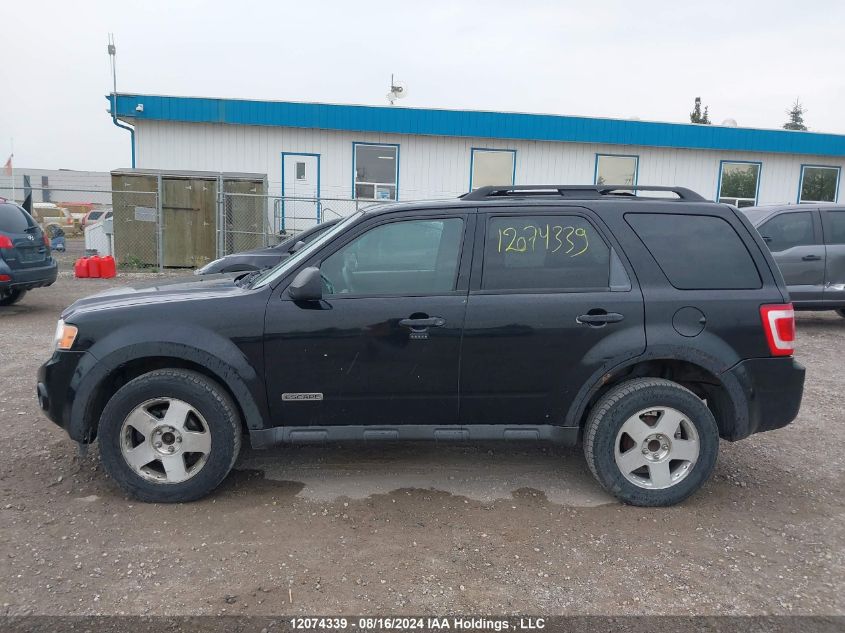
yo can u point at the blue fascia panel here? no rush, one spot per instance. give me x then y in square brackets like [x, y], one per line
[464, 123]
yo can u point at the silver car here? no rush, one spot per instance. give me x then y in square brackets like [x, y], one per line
[808, 244]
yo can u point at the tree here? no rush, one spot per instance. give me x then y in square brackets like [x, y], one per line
[739, 182]
[796, 117]
[696, 116]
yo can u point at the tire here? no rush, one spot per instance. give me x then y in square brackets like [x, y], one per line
[164, 409]
[681, 446]
[12, 297]
[841, 312]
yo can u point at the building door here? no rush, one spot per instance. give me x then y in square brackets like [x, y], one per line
[300, 207]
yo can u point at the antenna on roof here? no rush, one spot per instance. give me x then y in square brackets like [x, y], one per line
[398, 90]
[112, 49]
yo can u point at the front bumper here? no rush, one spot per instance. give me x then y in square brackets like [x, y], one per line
[57, 388]
[29, 278]
[773, 389]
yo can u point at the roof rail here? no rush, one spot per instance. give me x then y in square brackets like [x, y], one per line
[576, 191]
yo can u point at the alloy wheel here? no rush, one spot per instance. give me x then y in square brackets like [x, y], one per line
[656, 448]
[165, 440]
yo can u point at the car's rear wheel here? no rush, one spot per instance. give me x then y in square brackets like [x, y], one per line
[170, 435]
[11, 297]
[651, 442]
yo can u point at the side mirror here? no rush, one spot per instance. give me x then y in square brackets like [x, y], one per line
[296, 247]
[307, 285]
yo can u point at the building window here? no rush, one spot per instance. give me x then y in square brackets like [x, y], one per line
[739, 183]
[818, 183]
[612, 169]
[494, 167]
[375, 170]
[300, 171]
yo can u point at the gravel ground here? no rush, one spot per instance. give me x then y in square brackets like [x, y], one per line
[418, 528]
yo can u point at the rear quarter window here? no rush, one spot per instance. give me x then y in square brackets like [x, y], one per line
[13, 219]
[696, 252]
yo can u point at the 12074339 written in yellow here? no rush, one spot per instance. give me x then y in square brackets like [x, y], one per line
[553, 238]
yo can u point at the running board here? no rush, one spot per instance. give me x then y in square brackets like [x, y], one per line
[264, 438]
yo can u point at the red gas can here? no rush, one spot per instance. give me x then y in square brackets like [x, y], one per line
[80, 268]
[94, 266]
[107, 267]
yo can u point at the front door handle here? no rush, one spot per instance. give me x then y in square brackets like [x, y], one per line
[421, 324]
[811, 258]
[600, 319]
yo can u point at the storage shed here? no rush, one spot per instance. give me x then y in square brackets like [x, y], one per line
[179, 219]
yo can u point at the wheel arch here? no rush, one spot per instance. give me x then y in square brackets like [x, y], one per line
[110, 373]
[703, 375]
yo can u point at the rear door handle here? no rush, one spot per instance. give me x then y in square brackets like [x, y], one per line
[600, 319]
[811, 258]
[421, 324]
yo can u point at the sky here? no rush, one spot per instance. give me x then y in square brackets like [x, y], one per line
[637, 59]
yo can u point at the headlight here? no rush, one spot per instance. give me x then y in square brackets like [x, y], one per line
[65, 335]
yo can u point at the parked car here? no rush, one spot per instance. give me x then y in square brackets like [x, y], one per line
[647, 327]
[25, 259]
[808, 244]
[56, 235]
[96, 215]
[266, 257]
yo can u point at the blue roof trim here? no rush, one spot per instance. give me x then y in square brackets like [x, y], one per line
[466, 123]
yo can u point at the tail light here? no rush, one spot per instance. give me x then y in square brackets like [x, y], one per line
[5, 242]
[46, 240]
[779, 324]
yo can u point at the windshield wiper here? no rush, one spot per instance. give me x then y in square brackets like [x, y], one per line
[244, 281]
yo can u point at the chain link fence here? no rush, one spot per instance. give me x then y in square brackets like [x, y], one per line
[124, 224]
[142, 234]
[252, 220]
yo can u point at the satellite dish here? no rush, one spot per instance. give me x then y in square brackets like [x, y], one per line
[398, 90]
[729, 123]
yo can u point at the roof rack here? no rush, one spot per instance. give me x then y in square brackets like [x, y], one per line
[576, 191]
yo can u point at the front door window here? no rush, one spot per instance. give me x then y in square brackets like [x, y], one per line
[412, 257]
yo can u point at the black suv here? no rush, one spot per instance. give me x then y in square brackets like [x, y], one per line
[648, 327]
[25, 259]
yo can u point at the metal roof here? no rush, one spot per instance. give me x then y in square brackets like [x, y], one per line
[471, 123]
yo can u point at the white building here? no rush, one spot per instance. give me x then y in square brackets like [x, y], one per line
[322, 150]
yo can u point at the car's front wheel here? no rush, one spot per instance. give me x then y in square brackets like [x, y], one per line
[11, 297]
[651, 442]
[841, 312]
[171, 435]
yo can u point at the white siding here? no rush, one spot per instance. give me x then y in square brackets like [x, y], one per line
[438, 166]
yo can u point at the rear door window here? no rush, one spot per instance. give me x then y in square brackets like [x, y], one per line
[696, 252]
[788, 230]
[13, 219]
[544, 252]
[835, 228]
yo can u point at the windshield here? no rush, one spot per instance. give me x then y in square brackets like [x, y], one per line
[274, 273]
